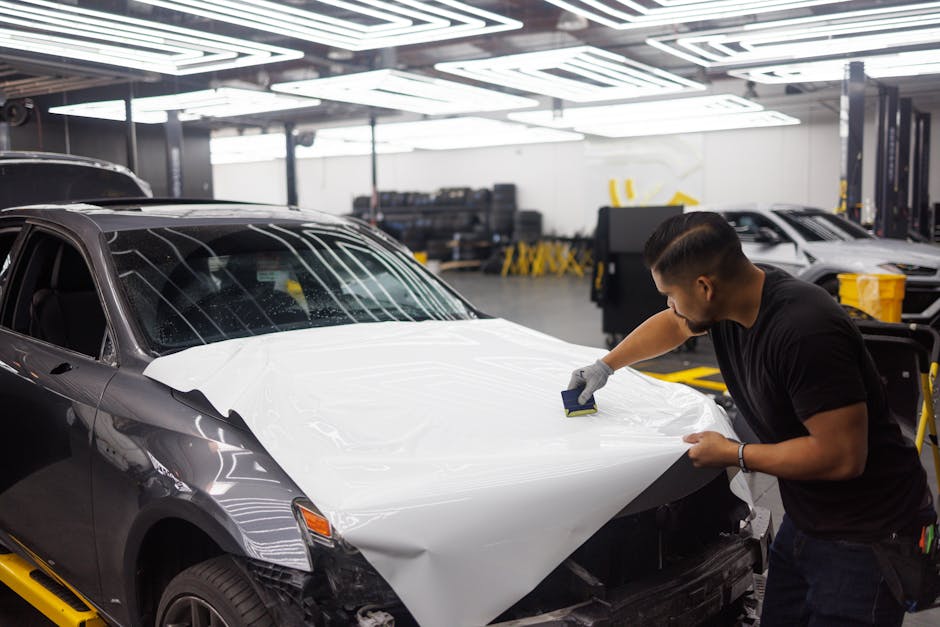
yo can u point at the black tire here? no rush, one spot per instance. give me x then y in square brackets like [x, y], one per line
[218, 591]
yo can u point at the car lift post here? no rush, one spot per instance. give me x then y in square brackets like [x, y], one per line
[852, 132]
[905, 112]
[920, 196]
[890, 217]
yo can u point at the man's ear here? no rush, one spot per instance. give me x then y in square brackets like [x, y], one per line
[705, 287]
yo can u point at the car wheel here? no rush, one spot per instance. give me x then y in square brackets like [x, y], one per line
[214, 593]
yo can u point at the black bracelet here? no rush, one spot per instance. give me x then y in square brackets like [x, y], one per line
[741, 463]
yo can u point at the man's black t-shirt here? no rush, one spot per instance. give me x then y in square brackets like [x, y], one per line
[802, 356]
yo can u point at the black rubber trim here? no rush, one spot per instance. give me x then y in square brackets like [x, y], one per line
[53, 586]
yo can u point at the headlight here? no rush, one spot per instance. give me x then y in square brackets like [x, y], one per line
[908, 269]
[312, 519]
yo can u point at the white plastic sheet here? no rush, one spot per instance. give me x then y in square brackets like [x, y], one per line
[441, 449]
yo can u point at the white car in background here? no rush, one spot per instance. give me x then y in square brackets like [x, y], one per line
[817, 245]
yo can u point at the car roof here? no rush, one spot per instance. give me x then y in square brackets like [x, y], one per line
[37, 157]
[17, 157]
[759, 207]
[131, 214]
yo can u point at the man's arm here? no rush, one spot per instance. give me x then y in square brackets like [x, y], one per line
[658, 335]
[836, 448]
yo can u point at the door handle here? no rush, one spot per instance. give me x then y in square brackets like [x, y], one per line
[61, 368]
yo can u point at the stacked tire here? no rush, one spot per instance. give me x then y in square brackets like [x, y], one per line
[528, 226]
[503, 209]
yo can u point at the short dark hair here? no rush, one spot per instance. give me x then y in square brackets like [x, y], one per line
[692, 244]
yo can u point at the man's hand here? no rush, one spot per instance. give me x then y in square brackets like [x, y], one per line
[712, 450]
[591, 378]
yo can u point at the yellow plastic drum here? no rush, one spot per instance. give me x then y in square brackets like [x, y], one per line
[880, 295]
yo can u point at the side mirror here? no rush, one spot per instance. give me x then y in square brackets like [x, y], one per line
[766, 235]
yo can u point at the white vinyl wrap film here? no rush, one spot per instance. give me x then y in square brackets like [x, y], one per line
[441, 449]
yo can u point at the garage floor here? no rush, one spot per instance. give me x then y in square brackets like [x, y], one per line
[559, 307]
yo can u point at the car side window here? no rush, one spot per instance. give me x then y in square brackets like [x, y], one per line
[53, 296]
[748, 226]
[7, 238]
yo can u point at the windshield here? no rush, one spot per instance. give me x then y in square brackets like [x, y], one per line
[817, 226]
[30, 183]
[200, 284]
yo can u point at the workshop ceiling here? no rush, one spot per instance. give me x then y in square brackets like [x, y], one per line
[785, 54]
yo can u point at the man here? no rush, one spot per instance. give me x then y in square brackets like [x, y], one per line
[799, 373]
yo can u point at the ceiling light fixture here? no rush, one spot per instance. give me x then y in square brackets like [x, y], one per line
[699, 106]
[62, 30]
[580, 74]
[211, 103]
[916, 63]
[870, 31]
[352, 24]
[644, 128]
[406, 92]
[659, 117]
[451, 133]
[624, 14]
[270, 146]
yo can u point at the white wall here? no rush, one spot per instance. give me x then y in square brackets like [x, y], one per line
[569, 181]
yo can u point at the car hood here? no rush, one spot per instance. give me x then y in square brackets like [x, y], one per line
[441, 449]
[867, 254]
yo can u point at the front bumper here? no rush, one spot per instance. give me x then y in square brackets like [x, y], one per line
[685, 593]
[921, 301]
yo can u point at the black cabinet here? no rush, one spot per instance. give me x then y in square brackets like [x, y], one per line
[622, 285]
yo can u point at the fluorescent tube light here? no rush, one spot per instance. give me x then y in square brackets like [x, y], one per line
[624, 14]
[580, 74]
[270, 146]
[579, 117]
[916, 63]
[867, 32]
[352, 24]
[62, 30]
[452, 133]
[644, 128]
[215, 103]
[661, 117]
[406, 92]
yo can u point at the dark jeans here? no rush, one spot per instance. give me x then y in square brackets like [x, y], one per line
[825, 583]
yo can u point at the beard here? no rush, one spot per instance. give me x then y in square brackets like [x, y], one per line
[698, 326]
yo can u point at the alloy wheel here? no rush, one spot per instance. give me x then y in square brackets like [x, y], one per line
[190, 611]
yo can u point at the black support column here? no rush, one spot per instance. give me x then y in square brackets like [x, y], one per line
[851, 130]
[130, 129]
[920, 196]
[374, 206]
[290, 162]
[174, 154]
[887, 222]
